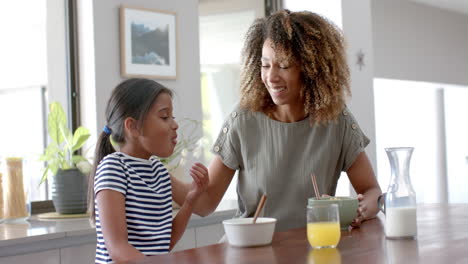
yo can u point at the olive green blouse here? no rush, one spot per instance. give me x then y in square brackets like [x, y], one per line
[278, 158]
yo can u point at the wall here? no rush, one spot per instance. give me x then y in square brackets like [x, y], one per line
[358, 33]
[214, 7]
[417, 42]
[187, 101]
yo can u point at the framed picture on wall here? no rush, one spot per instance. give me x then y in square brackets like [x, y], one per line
[148, 43]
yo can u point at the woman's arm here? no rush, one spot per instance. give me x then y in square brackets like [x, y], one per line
[111, 206]
[220, 177]
[362, 177]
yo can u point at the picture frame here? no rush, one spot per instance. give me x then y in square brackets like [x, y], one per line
[148, 43]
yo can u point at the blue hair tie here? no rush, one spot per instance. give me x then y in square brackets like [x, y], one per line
[107, 130]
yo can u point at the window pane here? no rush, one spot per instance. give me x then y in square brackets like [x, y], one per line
[408, 114]
[34, 68]
[25, 135]
[220, 71]
[456, 112]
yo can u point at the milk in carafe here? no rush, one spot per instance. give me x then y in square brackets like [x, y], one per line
[400, 222]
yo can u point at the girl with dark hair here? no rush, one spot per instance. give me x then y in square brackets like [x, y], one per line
[131, 194]
[292, 121]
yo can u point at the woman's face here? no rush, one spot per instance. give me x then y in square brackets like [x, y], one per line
[282, 77]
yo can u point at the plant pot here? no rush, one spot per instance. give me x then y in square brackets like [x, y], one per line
[69, 192]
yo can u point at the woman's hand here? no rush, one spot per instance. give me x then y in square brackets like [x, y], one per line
[360, 212]
[361, 176]
[367, 209]
[199, 174]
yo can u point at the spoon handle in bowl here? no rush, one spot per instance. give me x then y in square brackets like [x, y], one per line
[259, 207]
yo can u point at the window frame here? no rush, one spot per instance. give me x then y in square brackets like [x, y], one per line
[73, 98]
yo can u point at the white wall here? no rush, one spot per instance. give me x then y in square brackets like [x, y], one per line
[187, 101]
[331, 9]
[358, 33]
[214, 7]
[418, 42]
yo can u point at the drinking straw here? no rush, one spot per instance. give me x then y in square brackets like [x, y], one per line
[316, 189]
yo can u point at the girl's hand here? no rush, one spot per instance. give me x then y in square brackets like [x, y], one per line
[200, 182]
[367, 209]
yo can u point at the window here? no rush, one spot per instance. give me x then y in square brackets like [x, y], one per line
[34, 71]
[431, 118]
[223, 25]
[220, 72]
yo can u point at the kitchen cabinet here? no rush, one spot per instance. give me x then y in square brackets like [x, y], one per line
[74, 241]
[199, 237]
[192, 237]
[44, 257]
[208, 235]
[78, 255]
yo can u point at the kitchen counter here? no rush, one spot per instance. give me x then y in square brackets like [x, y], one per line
[37, 235]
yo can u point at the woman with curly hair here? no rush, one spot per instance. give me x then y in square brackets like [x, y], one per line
[291, 121]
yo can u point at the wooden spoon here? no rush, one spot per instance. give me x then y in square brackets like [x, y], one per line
[259, 207]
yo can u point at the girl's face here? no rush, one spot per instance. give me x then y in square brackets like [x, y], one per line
[158, 134]
[282, 77]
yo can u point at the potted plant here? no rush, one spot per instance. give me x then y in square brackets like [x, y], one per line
[69, 189]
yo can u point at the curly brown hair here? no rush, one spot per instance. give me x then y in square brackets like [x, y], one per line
[314, 43]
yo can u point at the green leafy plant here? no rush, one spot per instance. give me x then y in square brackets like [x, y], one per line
[60, 153]
[187, 142]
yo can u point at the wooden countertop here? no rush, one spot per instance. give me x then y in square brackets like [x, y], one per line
[442, 238]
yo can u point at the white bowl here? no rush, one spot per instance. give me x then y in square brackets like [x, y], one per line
[242, 232]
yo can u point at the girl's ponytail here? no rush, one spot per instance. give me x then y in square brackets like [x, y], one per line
[103, 148]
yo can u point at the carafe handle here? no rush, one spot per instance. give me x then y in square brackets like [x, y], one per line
[381, 202]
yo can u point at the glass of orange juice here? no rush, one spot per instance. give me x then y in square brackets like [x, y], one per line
[323, 225]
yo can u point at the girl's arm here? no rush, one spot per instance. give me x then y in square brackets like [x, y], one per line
[200, 178]
[220, 177]
[180, 223]
[111, 205]
[362, 177]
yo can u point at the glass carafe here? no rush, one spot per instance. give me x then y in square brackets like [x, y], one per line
[400, 199]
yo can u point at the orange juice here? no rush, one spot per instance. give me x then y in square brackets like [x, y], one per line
[323, 234]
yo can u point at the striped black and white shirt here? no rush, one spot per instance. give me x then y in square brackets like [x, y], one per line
[146, 186]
